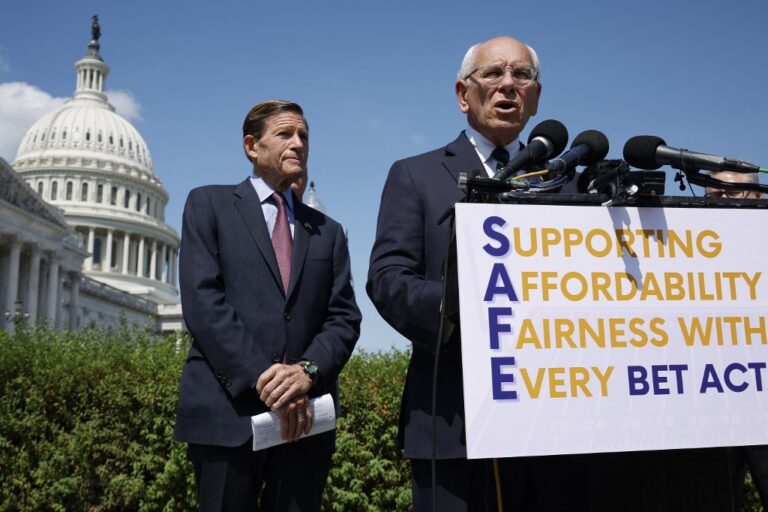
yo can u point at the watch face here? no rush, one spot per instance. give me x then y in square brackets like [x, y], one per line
[310, 368]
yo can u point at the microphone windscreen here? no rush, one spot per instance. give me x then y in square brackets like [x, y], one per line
[640, 151]
[597, 143]
[552, 130]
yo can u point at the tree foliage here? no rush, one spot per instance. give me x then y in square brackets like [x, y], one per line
[86, 423]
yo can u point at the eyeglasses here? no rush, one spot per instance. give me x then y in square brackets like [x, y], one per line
[728, 194]
[493, 74]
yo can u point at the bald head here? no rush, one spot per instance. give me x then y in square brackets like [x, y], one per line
[468, 62]
[498, 88]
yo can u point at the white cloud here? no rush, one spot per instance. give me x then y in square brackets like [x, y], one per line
[125, 104]
[21, 104]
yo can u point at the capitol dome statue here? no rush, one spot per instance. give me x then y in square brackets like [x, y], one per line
[94, 166]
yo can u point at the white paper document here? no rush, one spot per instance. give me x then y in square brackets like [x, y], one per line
[266, 426]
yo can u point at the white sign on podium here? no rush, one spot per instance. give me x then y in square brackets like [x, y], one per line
[590, 329]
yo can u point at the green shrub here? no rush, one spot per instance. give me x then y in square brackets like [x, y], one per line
[86, 423]
[368, 470]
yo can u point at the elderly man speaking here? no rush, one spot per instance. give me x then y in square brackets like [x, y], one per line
[498, 89]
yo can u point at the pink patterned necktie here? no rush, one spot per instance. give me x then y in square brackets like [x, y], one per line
[282, 241]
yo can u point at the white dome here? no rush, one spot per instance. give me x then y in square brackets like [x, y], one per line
[86, 127]
[95, 166]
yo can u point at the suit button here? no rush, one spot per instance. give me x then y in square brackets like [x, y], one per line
[229, 383]
[288, 315]
[276, 357]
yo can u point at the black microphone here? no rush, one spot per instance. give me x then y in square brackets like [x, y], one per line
[547, 138]
[650, 152]
[588, 147]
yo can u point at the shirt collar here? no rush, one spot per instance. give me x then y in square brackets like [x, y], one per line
[265, 192]
[484, 147]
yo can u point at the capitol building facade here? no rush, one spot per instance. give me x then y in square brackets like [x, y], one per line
[83, 237]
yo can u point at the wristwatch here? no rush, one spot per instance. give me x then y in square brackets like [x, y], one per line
[310, 368]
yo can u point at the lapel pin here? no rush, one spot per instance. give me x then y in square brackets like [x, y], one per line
[308, 226]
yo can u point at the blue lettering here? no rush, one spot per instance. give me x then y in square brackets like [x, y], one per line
[679, 369]
[727, 376]
[499, 271]
[498, 378]
[710, 380]
[503, 241]
[758, 376]
[495, 327]
[638, 385]
[659, 379]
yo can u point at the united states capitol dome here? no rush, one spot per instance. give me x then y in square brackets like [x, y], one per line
[91, 163]
[87, 127]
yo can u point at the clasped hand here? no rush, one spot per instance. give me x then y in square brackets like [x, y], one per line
[284, 388]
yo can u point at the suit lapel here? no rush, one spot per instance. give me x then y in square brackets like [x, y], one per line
[460, 156]
[248, 204]
[302, 230]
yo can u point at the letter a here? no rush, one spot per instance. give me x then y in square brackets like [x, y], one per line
[499, 271]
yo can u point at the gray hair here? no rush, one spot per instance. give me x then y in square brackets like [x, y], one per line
[750, 177]
[468, 63]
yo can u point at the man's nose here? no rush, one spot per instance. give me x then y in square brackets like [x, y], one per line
[297, 141]
[507, 81]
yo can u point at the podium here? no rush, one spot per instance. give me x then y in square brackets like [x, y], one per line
[629, 339]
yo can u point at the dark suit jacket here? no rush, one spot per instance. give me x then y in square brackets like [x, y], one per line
[405, 285]
[240, 318]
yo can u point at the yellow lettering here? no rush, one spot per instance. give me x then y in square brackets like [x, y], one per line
[534, 388]
[603, 378]
[556, 381]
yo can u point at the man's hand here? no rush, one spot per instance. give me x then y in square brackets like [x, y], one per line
[281, 383]
[295, 418]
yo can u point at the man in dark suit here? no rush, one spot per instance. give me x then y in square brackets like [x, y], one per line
[267, 297]
[498, 89]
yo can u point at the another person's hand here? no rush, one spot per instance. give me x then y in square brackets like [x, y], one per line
[295, 418]
[281, 383]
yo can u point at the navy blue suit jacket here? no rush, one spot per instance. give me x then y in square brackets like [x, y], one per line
[405, 285]
[241, 319]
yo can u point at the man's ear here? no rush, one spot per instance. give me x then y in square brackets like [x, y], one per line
[249, 146]
[461, 95]
[538, 96]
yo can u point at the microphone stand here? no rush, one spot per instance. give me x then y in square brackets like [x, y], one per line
[442, 337]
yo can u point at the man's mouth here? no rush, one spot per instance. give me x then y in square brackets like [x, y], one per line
[506, 106]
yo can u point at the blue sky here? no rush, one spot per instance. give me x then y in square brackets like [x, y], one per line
[376, 82]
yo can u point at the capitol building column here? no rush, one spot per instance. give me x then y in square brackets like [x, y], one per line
[74, 302]
[59, 323]
[33, 284]
[53, 289]
[106, 262]
[163, 256]
[12, 271]
[153, 260]
[126, 251]
[140, 257]
[89, 260]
